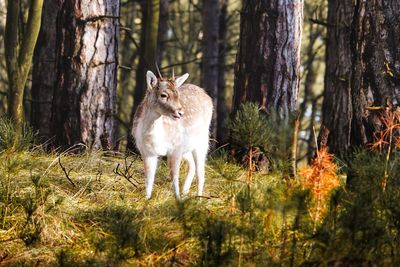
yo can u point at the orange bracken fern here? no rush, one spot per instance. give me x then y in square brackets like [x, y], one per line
[388, 138]
[320, 178]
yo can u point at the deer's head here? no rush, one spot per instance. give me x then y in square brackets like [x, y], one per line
[164, 94]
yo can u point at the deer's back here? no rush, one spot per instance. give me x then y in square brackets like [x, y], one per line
[197, 108]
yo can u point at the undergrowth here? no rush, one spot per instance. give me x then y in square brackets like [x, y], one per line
[62, 209]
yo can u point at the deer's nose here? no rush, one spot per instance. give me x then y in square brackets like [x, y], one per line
[177, 114]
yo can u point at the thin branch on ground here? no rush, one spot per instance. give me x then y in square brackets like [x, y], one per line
[126, 172]
[66, 172]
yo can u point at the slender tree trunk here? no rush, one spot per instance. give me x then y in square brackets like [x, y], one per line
[140, 79]
[311, 75]
[148, 47]
[268, 58]
[222, 108]
[44, 75]
[363, 66]
[84, 103]
[128, 56]
[19, 53]
[311, 126]
[3, 76]
[211, 13]
[162, 30]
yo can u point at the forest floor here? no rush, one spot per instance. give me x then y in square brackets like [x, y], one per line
[90, 210]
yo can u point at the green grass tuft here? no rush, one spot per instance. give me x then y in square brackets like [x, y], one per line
[11, 139]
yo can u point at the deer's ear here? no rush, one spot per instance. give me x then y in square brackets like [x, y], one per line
[181, 79]
[151, 80]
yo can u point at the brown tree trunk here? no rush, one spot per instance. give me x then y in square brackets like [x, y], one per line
[44, 75]
[268, 59]
[84, 100]
[148, 46]
[140, 79]
[128, 54]
[148, 50]
[209, 81]
[162, 30]
[363, 68]
[222, 107]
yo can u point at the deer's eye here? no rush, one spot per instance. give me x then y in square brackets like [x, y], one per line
[164, 95]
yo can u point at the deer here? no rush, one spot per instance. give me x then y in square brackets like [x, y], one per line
[173, 120]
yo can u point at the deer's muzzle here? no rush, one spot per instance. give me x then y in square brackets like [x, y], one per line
[177, 115]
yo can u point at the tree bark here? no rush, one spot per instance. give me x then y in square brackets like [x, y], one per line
[147, 60]
[44, 75]
[148, 47]
[209, 81]
[268, 58]
[222, 107]
[19, 53]
[128, 55]
[363, 69]
[162, 30]
[85, 95]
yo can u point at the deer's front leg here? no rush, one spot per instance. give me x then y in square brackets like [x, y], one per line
[174, 163]
[150, 166]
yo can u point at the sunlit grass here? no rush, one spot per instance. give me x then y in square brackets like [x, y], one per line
[96, 217]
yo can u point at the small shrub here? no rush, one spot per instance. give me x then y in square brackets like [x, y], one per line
[262, 142]
[11, 139]
[249, 135]
[249, 128]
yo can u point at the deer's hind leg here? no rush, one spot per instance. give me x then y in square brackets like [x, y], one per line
[191, 172]
[200, 154]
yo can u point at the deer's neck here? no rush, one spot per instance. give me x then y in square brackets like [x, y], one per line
[149, 116]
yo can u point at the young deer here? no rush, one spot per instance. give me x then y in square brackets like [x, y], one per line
[173, 120]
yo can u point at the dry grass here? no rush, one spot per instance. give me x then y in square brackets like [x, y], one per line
[97, 217]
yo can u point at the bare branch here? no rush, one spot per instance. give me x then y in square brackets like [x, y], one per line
[322, 23]
[126, 172]
[66, 172]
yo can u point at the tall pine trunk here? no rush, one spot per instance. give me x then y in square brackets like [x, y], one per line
[211, 13]
[162, 30]
[148, 47]
[147, 60]
[44, 75]
[268, 58]
[222, 107]
[84, 103]
[363, 66]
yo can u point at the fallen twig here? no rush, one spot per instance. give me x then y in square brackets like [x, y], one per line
[66, 172]
[125, 172]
